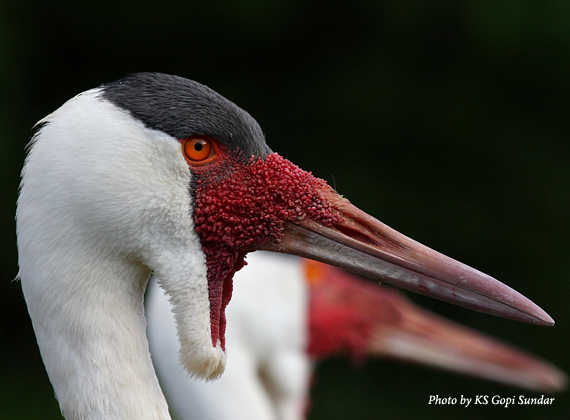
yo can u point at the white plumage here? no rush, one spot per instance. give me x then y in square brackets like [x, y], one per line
[104, 209]
[267, 376]
[110, 190]
[282, 304]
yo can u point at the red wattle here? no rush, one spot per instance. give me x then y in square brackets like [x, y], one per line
[241, 206]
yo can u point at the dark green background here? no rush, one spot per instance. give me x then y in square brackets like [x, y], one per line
[447, 120]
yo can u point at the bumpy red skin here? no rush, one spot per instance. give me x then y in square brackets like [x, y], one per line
[241, 206]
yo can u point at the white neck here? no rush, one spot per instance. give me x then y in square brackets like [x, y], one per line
[97, 360]
[104, 201]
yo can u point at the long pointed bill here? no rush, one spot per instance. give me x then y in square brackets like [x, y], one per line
[418, 336]
[366, 246]
[348, 315]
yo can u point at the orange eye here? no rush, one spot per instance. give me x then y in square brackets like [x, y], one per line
[198, 149]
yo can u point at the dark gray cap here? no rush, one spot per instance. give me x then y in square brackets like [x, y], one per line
[183, 108]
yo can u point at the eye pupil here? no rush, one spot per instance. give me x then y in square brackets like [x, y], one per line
[198, 149]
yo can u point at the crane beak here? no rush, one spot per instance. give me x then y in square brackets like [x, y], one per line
[350, 314]
[418, 336]
[365, 246]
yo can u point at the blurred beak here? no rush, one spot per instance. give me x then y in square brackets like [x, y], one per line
[363, 245]
[415, 335]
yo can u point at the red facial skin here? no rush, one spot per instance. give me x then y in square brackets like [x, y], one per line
[241, 206]
[355, 317]
[343, 312]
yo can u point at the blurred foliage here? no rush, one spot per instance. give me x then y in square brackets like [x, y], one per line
[448, 120]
